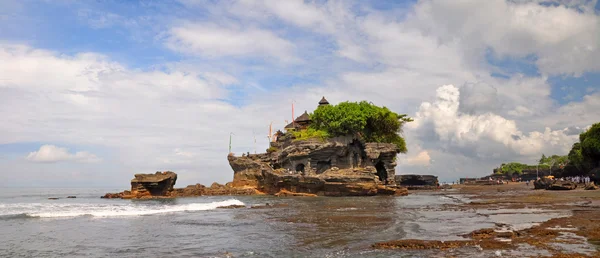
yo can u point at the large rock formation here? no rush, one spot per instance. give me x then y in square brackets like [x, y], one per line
[340, 166]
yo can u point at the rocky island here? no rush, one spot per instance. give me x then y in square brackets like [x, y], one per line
[347, 149]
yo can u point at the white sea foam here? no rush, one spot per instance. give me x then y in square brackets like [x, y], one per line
[59, 210]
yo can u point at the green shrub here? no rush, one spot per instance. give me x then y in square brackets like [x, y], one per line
[373, 123]
[310, 133]
[272, 149]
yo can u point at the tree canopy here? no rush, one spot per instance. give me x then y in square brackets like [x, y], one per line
[585, 154]
[373, 123]
[554, 160]
[517, 168]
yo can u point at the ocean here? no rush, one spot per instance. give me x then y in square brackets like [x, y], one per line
[88, 226]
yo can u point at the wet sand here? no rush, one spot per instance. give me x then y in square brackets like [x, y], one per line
[530, 223]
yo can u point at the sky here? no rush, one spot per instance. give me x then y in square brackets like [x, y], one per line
[92, 92]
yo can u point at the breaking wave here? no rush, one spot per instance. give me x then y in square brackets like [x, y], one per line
[61, 210]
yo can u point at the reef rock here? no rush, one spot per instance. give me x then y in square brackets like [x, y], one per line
[341, 166]
[160, 185]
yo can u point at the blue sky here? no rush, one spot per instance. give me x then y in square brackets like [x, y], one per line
[128, 87]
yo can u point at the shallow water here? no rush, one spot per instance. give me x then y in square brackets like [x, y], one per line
[33, 226]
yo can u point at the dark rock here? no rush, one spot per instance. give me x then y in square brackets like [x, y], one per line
[112, 195]
[417, 180]
[52, 198]
[234, 206]
[159, 184]
[562, 185]
[542, 183]
[71, 196]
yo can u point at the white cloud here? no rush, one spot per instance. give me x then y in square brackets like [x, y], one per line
[179, 115]
[50, 153]
[210, 40]
[420, 159]
[564, 39]
[463, 130]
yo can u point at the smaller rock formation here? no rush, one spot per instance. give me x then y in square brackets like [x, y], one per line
[149, 185]
[161, 185]
[71, 196]
[417, 182]
[542, 183]
[549, 184]
[591, 186]
[562, 185]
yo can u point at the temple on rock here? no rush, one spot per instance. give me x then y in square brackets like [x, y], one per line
[343, 165]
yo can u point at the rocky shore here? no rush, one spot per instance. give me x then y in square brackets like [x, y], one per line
[574, 235]
[161, 185]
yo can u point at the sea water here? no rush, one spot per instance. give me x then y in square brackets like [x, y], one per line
[87, 226]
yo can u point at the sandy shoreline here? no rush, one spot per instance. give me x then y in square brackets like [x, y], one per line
[567, 222]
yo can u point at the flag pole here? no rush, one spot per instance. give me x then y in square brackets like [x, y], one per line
[231, 133]
[253, 135]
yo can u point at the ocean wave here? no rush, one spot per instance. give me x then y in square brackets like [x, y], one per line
[96, 210]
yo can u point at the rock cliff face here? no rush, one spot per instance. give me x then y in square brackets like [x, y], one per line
[158, 184]
[342, 166]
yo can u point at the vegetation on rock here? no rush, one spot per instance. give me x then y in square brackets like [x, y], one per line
[310, 133]
[372, 123]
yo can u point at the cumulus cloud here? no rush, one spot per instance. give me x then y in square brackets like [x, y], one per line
[564, 38]
[179, 115]
[51, 153]
[462, 130]
[420, 159]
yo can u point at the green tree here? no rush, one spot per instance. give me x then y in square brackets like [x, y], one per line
[543, 159]
[576, 158]
[372, 123]
[590, 144]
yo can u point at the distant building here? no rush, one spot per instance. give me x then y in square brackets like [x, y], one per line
[323, 102]
[303, 121]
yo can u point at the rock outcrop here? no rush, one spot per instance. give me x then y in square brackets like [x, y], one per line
[549, 184]
[341, 166]
[591, 186]
[417, 182]
[542, 183]
[141, 190]
[158, 184]
[562, 185]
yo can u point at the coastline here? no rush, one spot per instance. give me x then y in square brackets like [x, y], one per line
[575, 233]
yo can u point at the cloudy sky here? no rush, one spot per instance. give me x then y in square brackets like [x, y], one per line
[92, 92]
